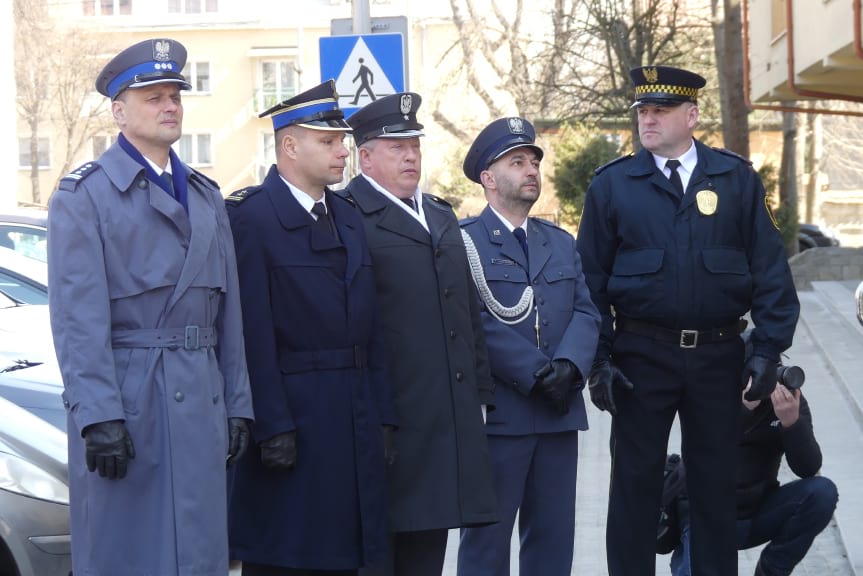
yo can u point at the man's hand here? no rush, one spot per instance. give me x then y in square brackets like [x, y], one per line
[108, 448]
[604, 377]
[391, 453]
[762, 371]
[786, 405]
[238, 439]
[554, 381]
[280, 452]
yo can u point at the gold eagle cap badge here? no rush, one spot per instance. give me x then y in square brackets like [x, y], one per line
[707, 202]
[651, 75]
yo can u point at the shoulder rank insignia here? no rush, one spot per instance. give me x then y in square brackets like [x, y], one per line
[733, 155]
[437, 199]
[240, 195]
[71, 180]
[613, 162]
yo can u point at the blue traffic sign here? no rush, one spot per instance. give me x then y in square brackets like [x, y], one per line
[365, 67]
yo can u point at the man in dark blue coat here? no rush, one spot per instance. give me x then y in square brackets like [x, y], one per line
[541, 329]
[433, 333]
[678, 243]
[310, 499]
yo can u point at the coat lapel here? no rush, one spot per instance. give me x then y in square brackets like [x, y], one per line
[503, 238]
[438, 221]
[349, 235]
[390, 217]
[538, 248]
[202, 218]
[293, 216]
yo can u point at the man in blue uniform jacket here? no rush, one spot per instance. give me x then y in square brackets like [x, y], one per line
[310, 499]
[678, 243]
[541, 330]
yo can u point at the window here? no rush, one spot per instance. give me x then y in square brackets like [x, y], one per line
[267, 155]
[192, 6]
[24, 153]
[195, 149]
[101, 143]
[278, 81]
[106, 7]
[198, 75]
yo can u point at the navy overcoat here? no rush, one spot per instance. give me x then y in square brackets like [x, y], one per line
[316, 366]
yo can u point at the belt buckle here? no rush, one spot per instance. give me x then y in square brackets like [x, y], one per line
[192, 338]
[688, 338]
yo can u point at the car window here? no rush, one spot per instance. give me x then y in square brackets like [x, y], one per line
[18, 288]
[27, 240]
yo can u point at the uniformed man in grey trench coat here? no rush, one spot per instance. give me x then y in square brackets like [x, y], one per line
[145, 312]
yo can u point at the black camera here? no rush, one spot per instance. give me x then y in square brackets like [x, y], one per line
[792, 377]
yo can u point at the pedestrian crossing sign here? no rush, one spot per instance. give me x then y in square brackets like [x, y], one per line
[365, 67]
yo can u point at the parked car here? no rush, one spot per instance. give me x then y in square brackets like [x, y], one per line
[814, 236]
[25, 331]
[24, 230]
[34, 496]
[22, 278]
[35, 387]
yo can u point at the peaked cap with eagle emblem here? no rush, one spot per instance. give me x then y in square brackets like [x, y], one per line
[148, 62]
[665, 85]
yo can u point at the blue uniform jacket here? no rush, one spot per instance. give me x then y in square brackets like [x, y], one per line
[316, 365]
[568, 321]
[655, 258]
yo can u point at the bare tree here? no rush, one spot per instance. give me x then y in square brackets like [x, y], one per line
[54, 68]
[727, 33]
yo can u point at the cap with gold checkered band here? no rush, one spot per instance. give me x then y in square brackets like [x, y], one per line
[665, 85]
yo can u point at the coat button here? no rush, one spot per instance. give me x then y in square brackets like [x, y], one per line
[437, 253]
[459, 376]
[142, 183]
[545, 322]
[452, 334]
[179, 397]
[215, 398]
[506, 275]
[545, 344]
[446, 292]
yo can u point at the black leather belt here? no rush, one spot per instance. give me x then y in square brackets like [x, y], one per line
[683, 338]
[298, 361]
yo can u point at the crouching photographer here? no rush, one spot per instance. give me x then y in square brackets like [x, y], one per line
[787, 517]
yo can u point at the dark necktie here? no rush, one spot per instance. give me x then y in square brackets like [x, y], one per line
[323, 221]
[411, 203]
[169, 183]
[522, 239]
[673, 165]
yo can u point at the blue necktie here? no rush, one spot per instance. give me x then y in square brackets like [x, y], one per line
[522, 239]
[169, 182]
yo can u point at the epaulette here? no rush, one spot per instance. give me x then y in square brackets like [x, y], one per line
[205, 178]
[467, 221]
[437, 199]
[613, 162]
[733, 155]
[343, 195]
[71, 180]
[236, 197]
[548, 223]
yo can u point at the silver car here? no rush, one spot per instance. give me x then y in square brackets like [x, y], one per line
[34, 496]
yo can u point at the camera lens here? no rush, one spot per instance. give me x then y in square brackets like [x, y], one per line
[792, 377]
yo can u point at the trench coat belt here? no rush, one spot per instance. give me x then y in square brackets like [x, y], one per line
[683, 338]
[296, 361]
[189, 338]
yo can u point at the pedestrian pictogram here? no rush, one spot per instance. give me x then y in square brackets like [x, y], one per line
[365, 67]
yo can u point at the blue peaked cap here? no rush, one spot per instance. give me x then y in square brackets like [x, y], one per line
[316, 108]
[497, 139]
[154, 61]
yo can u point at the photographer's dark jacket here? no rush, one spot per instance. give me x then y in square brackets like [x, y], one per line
[762, 442]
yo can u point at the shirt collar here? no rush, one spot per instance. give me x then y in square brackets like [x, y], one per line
[688, 160]
[419, 215]
[306, 201]
[507, 223]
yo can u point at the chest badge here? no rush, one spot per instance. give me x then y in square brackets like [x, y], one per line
[707, 201]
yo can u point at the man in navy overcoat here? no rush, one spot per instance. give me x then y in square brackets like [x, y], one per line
[541, 329]
[310, 498]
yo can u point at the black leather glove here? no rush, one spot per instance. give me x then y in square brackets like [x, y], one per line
[280, 452]
[109, 448]
[604, 377]
[554, 381]
[763, 373]
[238, 439]
[391, 453]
